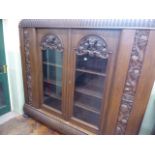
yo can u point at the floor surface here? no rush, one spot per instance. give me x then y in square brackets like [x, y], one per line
[25, 126]
[6, 117]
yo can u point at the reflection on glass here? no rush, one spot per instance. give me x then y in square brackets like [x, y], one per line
[52, 78]
[90, 75]
[2, 98]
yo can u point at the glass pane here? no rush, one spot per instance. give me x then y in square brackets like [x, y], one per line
[2, 97]
[90, 63]
[89, 83]
[52, 78]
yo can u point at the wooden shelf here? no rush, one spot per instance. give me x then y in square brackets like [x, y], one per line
[52, 64]
[91, 72]
[53, 82]
[52, 95]
[89, 92]
[85, 107]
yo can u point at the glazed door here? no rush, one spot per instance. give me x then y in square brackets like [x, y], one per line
[92, 59]
[4, 92]
[52, 48]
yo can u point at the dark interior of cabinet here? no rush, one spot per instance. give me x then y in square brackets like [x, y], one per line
[52, 78]
[89, 83]
[91, 63]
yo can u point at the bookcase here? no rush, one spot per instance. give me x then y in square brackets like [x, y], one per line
[88, 76]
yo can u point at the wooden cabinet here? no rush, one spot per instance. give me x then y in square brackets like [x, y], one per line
[88, 76]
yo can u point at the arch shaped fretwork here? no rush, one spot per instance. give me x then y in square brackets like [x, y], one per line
[51, 41]
[93, 45]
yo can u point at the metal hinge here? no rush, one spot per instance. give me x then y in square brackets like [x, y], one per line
[3, 69]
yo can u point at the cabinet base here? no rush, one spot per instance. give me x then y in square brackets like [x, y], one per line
[54, 122]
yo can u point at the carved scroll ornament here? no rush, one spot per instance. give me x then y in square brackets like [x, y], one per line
[52, 42]
[134, 71]
[93, 45]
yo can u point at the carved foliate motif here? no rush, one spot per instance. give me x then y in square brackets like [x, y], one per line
[28, 66]
[52, 42]
[134, 71]
[93, 45]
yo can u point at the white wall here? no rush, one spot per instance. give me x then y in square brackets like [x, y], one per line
[148, 124]
[13, 59]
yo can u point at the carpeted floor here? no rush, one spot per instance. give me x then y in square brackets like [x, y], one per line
[25, 126]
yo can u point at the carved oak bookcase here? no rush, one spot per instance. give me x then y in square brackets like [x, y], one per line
[88, 76]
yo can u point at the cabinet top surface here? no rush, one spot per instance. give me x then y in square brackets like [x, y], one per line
[89, 23]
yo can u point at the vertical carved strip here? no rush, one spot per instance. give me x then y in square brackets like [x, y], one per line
[28, 66]
[134, 71]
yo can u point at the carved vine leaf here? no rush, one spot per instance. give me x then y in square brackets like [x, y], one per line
[52, 42]
[28, 66]
[134, 71]
[93, 46]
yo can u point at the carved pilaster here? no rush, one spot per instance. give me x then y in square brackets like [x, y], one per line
[28, 66]
[134, 71]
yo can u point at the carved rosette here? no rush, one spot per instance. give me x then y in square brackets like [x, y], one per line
[134, 71]
[52, 42]
[28, 66]
[93, 45]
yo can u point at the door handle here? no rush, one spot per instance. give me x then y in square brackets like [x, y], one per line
[3, 69]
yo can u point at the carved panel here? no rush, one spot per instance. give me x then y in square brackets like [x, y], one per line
[134, 71]
[52, 42]
[28, 66]
[93, 45]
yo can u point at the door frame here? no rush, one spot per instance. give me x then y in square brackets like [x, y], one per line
[3, 76]
[62, 35]
[78, 34]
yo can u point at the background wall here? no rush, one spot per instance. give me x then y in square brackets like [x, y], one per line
[13, 59]
[148, 124]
